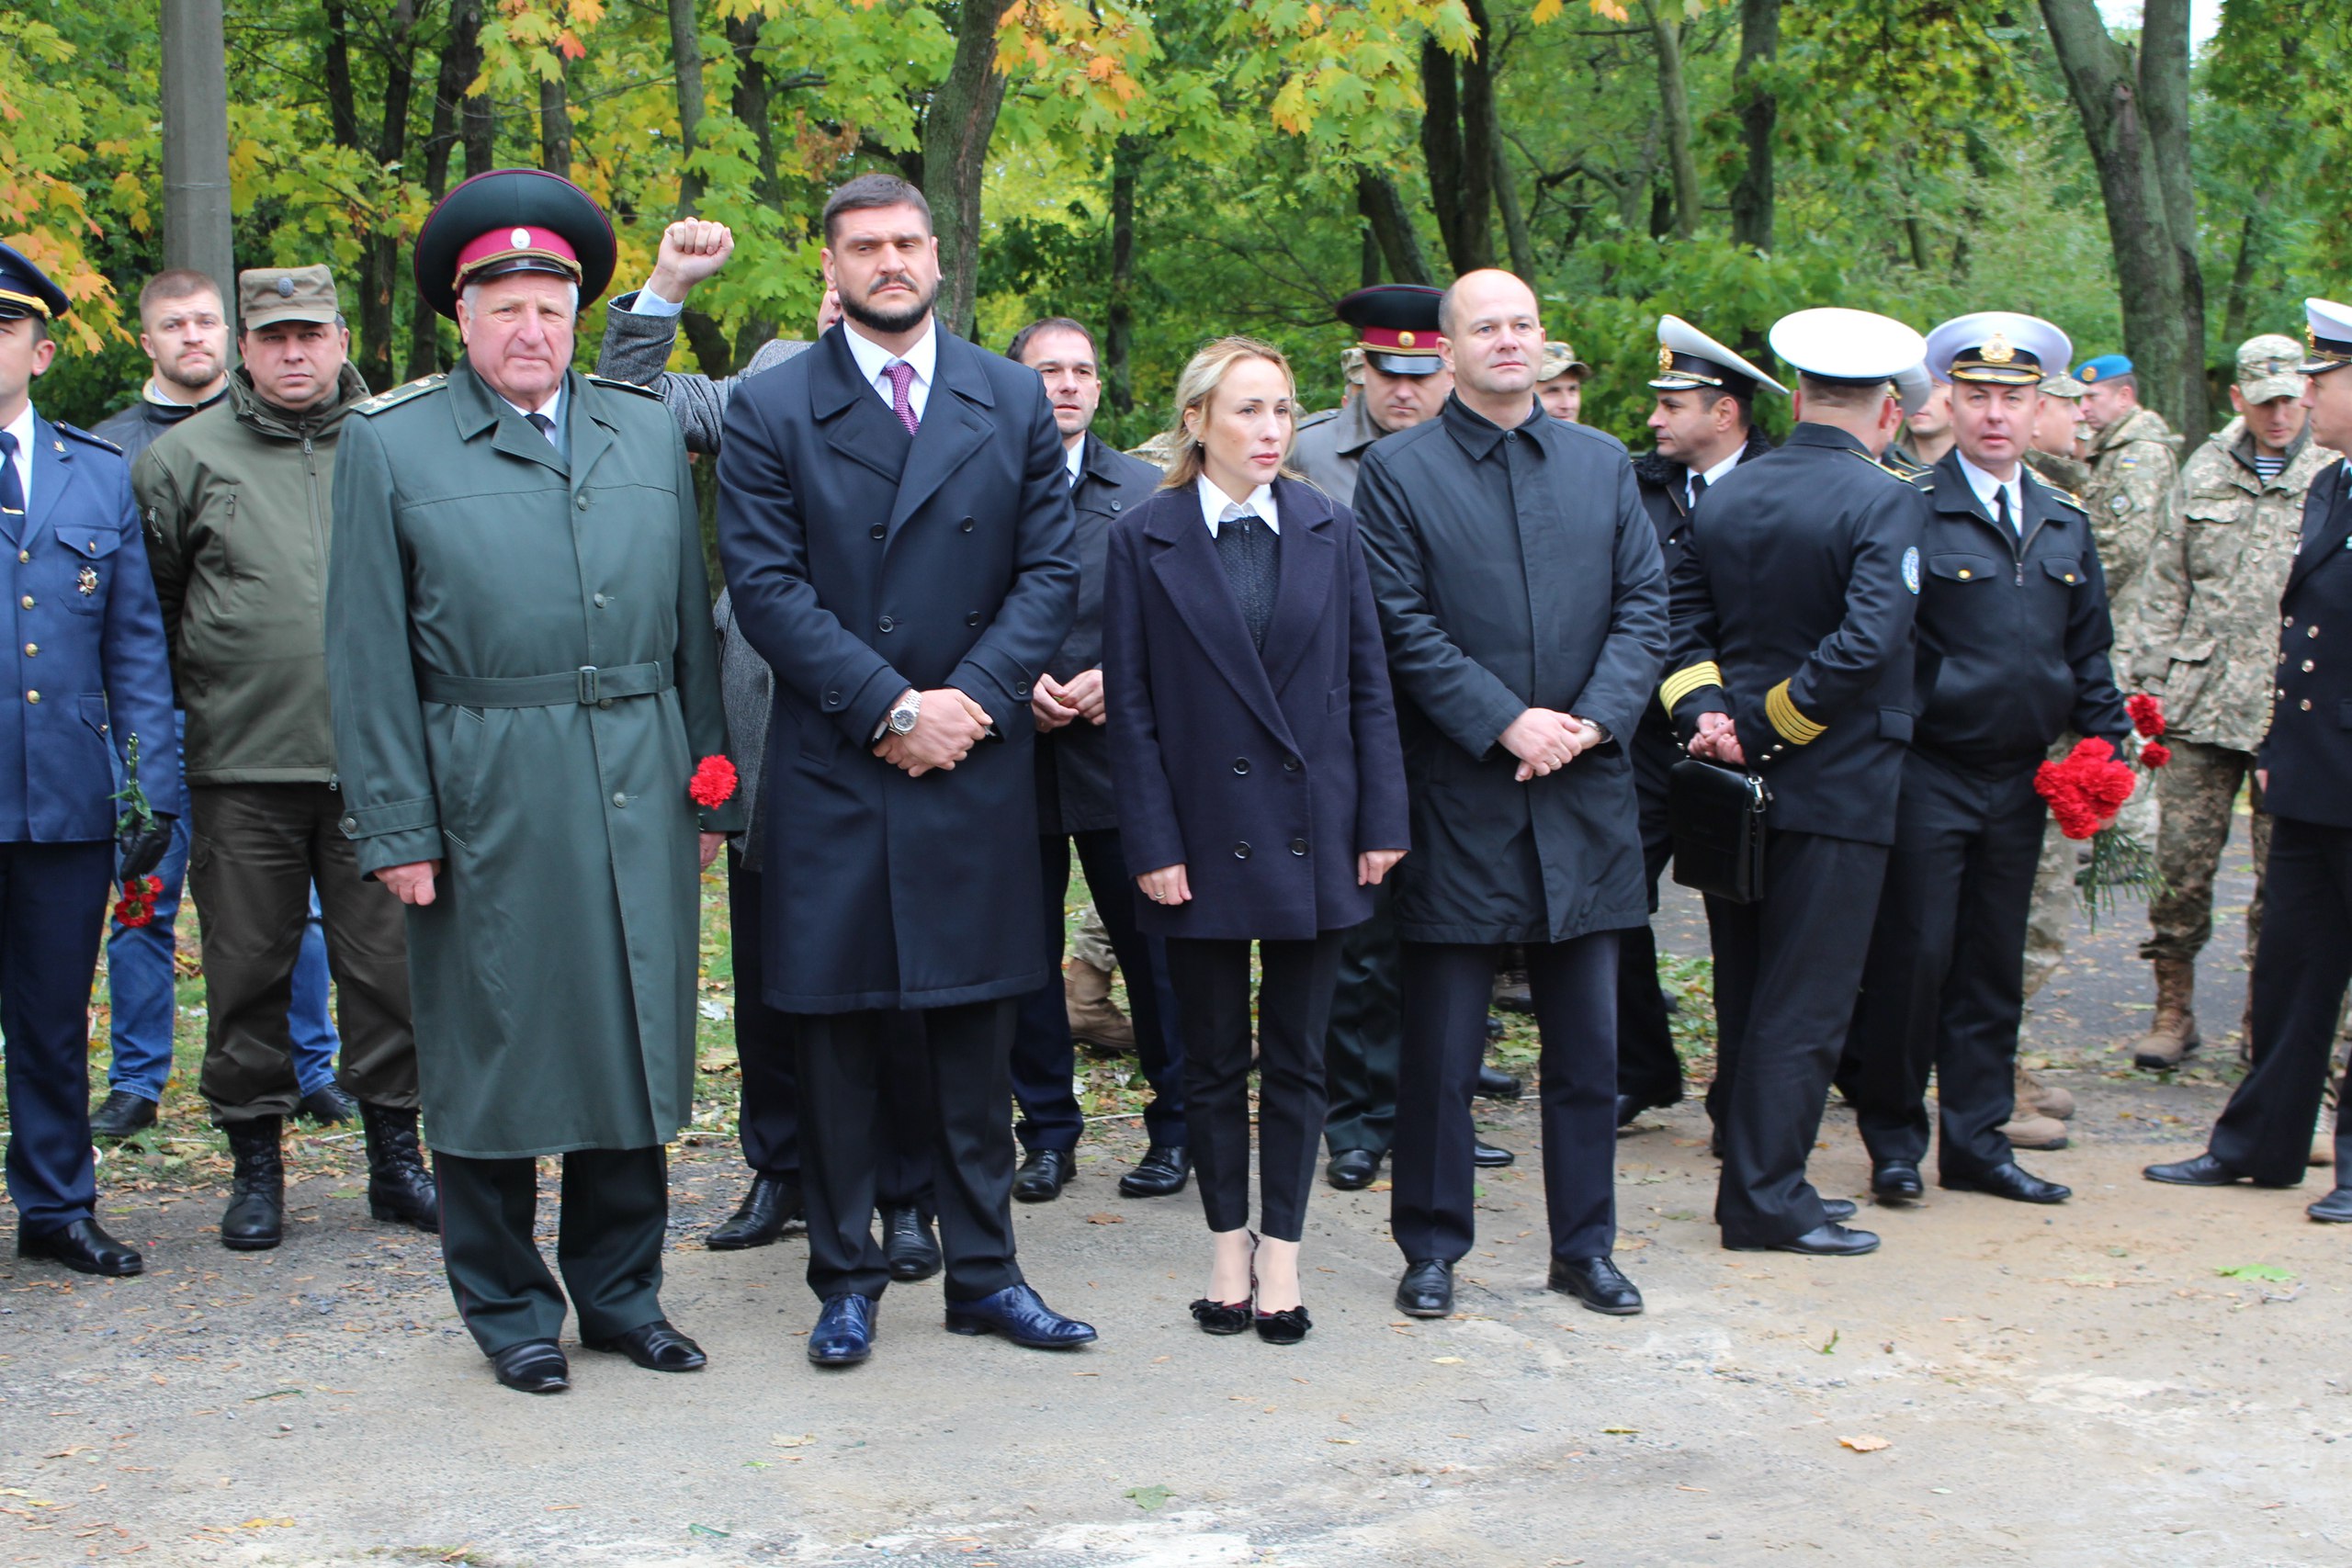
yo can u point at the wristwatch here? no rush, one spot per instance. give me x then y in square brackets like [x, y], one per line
[902, 717]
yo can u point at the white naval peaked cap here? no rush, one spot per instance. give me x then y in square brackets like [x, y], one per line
[2003, 347]
[2327, 333]
[1839, 344]
[1913, 387]
[1688, 357]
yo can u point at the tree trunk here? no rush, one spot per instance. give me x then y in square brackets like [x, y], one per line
[1457, 148]
[1516, 233]
[686, 64]
[1384, 210]
[1119, 319]
[1481, 147]
[555, 125]
[1442, 146]
[379, 251]
[1751, 198]
[2239, 306]
[2133, 107]
[752, 101]
[342, 112]
[460, 63]
[956, 127]
[1674, 104]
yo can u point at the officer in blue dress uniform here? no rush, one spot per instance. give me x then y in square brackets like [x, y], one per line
[2305, 959]
[87, 671]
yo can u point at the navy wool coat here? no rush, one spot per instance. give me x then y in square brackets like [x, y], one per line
[1264, 773]
[861, 561]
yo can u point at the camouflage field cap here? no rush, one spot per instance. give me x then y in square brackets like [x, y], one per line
[1560, 360]
[266, 295]
[2058, 384]
[2270, 366]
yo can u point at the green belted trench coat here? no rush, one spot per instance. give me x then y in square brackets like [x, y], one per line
[523, 678]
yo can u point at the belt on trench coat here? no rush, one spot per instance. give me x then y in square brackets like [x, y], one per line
[588, 685]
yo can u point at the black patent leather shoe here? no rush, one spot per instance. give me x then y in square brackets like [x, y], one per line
[2007, 1181]
[2202, 1172]
[767, 1211]
[1043, 1176]
[536, 1365]
[328, 1105]
[844, 1333]
[1629, 1106]
[1897, 1181]
[1487, 1157]
[84, 1247]
[1598, 1282]
[1351, 1170]
[1838, 1210]
[1017, 1313]
[1427, 1289]
[656, 1347]
[1162, 1173]
[1221, 1318]
[121, 1114]
[1496, 1083]
[908, 1243]
[1822, 1241]
[2335, 1209]
[1287, 1326]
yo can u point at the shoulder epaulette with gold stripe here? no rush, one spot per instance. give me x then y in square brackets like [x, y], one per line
[397, 395]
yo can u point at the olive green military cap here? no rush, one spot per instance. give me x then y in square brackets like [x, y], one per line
[271, 294]
[2270, 365]
[2058, 384]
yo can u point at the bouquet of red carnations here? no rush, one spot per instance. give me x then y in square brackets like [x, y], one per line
[2088, 788]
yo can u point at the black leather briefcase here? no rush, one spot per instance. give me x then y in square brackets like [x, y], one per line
[1717, 818]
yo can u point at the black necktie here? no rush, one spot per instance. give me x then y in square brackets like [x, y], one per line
[544, 425]
[1698, 487]
[1249, 551]
[12, 489]
[2001, 509]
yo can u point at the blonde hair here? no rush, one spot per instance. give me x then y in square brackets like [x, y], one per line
[1199, 382]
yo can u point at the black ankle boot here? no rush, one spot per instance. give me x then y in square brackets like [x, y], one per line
[255, 1218]
[399, 1187]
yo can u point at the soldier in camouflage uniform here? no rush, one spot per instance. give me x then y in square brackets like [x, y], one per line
[2203, 637]
[2134, 458]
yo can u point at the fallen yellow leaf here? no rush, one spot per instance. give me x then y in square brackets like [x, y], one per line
[1863, 1445]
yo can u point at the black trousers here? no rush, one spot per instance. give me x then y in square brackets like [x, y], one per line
[53, 911]
[1944, 985]
[608, 1244]
[850, 1123]
[1044, 1058]
[1431, 1205]
[1212, 980]
[1787, 968]
[1367, 1034]
[2300, 970]
[1647, 1068]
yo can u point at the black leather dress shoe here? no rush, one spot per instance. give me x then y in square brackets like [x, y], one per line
[536, 1365]
[1043, 1176]
[1838, 1210]
[1017, 1313]
[1487, 1157]
[767, 1211]
[2335, 1209]
[121, 1114]
[656, 1347]
[1597, 1283]
[83, 1247]
[1427, 1289]
[1897, 1181]
[327, 1105]
[1715, 1140]
[1496, 1083]
[1351, 1170]
[1632, 1105]
[2007, 1181]
[1822, 1241]
[1162, 1173]
[844, 1333]
[2202, 1172]
[908, 1243]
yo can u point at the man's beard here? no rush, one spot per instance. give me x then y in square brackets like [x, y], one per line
[866, 315]
[179, 378]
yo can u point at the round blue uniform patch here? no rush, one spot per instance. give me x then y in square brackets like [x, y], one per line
[1911, 569]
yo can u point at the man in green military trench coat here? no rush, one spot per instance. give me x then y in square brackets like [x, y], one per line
[523, 682]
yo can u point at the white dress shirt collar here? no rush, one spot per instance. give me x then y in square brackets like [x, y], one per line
[873, 359]
[1074, 459]
[1986, 485]
[21, 427]
[1690, 493]
[1214, 501]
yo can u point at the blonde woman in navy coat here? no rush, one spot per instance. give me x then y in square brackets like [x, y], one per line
[1253, 748]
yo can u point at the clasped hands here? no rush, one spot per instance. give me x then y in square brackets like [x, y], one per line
[1054, 704]
[1546, 740]
[1169, 885]
[949, 725]
[1717, 740]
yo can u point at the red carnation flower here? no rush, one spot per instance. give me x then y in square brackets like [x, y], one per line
[2087, 789]
[713, 784]
[2147, 715]
[136, 907]
[2154, 754]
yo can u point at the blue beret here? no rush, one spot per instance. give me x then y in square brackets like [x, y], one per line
[2105, 367]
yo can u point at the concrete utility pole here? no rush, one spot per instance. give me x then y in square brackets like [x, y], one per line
[195, 145]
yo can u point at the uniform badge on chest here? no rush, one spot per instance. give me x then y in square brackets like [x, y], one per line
[88, 580]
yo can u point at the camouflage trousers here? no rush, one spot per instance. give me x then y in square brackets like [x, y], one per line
[2052, 914]
[1090, 945]
[2199, 792]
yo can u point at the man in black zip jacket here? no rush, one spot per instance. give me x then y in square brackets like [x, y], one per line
[1705, 424]
[2013, 652]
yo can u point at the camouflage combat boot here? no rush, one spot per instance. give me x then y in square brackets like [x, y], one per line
[2173, 1035]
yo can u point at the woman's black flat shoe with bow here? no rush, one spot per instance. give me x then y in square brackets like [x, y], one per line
[1287, 1326]
[1217, 1317]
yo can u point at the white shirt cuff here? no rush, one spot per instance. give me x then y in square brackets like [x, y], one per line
[649, 303]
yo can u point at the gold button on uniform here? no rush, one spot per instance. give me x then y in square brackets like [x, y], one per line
[32, 648]
[26, 601]
[2309, 666]
[24, 555]
[1964, 574]
[32, 696]
[2305, 705]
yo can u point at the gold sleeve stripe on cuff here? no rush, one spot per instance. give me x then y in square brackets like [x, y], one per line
[1794, 728]
[1682, 683]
